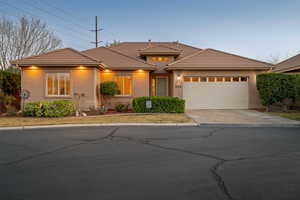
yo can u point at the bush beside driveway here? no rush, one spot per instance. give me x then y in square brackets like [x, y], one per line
[122, 118]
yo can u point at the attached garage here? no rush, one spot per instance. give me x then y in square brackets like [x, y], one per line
[213, 79]
[216, 92]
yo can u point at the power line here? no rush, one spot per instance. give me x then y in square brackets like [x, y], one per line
[18, 17]
[52, 14]
[63, 11]
[25, 11]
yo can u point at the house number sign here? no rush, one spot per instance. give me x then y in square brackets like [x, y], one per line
[25, 94]
[148, 104]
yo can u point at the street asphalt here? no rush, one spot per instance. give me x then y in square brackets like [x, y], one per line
[142, 163]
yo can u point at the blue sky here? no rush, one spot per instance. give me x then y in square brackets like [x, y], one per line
[253, 28]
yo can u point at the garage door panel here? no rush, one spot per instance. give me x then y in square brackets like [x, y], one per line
[216, 95]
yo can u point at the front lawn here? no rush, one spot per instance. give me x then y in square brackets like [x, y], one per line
[289, 115]
[130, 118]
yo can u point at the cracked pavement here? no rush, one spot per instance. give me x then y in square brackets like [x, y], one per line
[150, 163]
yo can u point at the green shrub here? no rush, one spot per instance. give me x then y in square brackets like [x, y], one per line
[7, 103]
[122, 107]
[10, 83]
[159, 105]
[54, 108]
[11, 110]
[109, 88]
[297, 88]
[276, 87]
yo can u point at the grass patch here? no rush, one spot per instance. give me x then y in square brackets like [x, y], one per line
[289, 115]
[131, 118]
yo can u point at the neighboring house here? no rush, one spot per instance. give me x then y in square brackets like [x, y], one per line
[205, 78]
[290, 65]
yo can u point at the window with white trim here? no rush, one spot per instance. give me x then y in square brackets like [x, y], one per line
[58, 84]
[215, 79]
[124, 82]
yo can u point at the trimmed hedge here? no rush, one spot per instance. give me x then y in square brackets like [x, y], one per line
[297, 88]
[54, 108]
[159, 105]
[276, 87]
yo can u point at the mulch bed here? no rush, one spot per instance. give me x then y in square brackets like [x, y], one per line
[109, 112]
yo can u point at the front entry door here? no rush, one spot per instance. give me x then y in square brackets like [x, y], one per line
[161, 86]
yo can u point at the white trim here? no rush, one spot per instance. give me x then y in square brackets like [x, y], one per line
[123, 84]
[215, 78]
[56, 75]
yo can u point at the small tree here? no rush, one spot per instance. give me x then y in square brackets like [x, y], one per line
[108, 89]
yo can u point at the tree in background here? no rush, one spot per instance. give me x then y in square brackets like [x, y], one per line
[113, 43]
[25, 37]
[277, 58]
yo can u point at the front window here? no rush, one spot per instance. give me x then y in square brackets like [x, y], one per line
[160, 58]
[58, 84]
[124, 83]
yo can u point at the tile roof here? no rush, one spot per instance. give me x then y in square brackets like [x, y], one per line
[132, 48]
[215, 59]
[125, 56]
[115, 60]
[289, 64]
[159, 50]
[66, 57]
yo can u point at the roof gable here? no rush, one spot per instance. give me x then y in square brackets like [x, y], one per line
[116, 60]
[290, 64]
[66, 57]
[215, 59]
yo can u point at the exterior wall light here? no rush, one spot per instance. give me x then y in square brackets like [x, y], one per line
[81, 67]
[179, 78]
[33, 67]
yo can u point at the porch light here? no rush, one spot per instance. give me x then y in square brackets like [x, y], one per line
[107, 70]
[33, 67]
[140, 70]
[179, 77]
[81, 67]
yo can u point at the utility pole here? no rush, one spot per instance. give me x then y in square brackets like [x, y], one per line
[96, 30]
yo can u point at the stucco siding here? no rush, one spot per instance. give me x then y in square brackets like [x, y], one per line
[81, 80]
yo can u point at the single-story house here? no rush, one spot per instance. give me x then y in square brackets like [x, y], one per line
[205, 78]
[290, 65]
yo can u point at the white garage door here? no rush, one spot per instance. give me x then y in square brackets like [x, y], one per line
[216, 92]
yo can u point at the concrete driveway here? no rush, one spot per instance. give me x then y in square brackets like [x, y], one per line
[237, 117]
[149, 163]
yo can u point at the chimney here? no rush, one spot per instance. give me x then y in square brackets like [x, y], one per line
[149, 42]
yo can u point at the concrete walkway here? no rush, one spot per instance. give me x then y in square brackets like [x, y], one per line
[237, 117]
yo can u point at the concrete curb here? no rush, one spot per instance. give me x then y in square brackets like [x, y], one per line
[150, 124]
[248, 125]
[95, 125]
